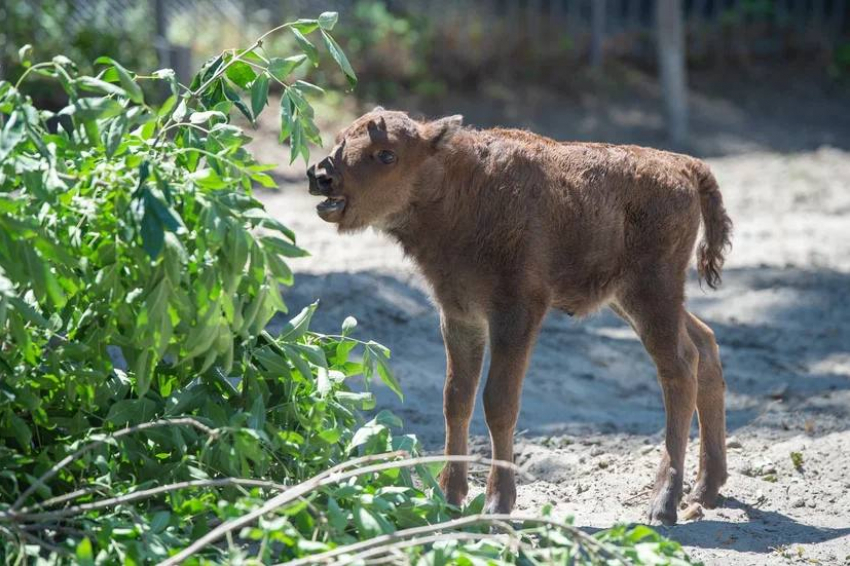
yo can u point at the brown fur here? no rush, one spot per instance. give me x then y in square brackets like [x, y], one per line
[506, 224]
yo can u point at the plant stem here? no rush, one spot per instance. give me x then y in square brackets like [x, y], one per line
[30, 69]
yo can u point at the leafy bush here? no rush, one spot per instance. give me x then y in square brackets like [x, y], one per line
[146, 414]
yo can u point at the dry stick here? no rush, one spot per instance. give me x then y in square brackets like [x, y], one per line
[398, 535]
[26, 515]
[314, 483]
[62, 498]
[415, 542]
[71, 457]
[143, 494]
[500, 520]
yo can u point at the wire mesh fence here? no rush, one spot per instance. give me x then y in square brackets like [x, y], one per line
[185, 32]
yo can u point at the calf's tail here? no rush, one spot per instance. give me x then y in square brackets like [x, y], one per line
[717, 228]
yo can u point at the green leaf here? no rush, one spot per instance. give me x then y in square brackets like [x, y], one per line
[92, 84]
[308, 48]
[280, 68]
[298, 326]
[309, 88]
[21, 430]
[327, 20]
[305, 25]
[279, 269]
[386, 374]
[201, 117]
[153, 233]
[367, 524]
[84, 553]
[134, 91]
[340, 58]
[259, 94]
[131, 412]
[240, 73]
[115, 134]
[12, 134]
[282, 247]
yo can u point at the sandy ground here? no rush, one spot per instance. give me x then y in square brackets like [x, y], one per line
[592, 418]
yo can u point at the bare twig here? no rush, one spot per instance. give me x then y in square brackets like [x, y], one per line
[62, 498]
[28, 514]
[373, 554]
[41, 481]
[137, 495]
[326, 478]
[499, 520]
[397, 536]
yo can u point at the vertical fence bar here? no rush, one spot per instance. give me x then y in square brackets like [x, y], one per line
[597, 32]
[670, 44]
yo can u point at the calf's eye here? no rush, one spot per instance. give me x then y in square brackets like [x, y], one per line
[386, 156]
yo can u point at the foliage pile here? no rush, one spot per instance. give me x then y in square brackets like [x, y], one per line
[146, 414]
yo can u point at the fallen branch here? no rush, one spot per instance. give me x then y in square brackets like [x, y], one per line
[137, 495]
[498, 520]
[393, 537]
[327, 478]
[62, 498]
[374, 553]
[41, 481]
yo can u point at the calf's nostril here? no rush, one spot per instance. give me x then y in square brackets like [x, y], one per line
[324, 182]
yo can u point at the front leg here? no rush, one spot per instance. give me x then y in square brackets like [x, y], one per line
[513, 331]
[465, 340]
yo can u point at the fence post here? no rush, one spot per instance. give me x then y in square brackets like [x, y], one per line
[597, 32]
[670, 47]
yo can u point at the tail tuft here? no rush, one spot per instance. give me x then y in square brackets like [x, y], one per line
[717, 229]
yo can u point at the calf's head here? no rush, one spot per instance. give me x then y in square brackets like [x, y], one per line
[372, 172]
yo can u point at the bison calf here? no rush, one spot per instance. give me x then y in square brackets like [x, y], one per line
[506, 224]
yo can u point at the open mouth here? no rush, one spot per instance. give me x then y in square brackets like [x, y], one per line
[331, 208]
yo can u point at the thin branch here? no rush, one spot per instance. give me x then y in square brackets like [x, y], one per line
[327, 478]
[397, 536]
[374, 553]
[143, 494]
[28, 514]
[220, 71]
[41, 481]
[498, 520]
[31, 69]
[61, 499]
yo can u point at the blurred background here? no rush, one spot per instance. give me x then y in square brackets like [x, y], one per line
[571, 68]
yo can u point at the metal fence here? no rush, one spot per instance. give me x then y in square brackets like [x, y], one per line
[594, 28]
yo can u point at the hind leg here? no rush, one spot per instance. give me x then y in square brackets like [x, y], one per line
[654, 307]
[711, 413]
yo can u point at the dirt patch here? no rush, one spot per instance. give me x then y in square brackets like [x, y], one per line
[592, 418]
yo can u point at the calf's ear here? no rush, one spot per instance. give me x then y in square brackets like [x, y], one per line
[439, 132]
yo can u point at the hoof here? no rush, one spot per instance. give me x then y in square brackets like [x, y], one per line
[705, 494]
[454, 486]
[498, 505]
[662, 511]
